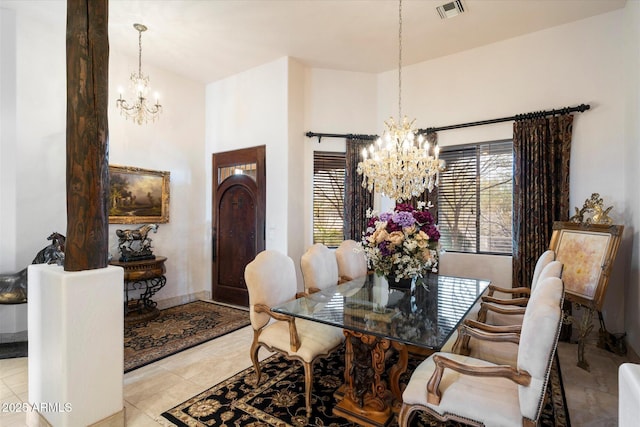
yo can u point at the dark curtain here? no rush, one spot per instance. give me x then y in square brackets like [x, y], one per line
[542, 149]
[428, 196]
[357, 198]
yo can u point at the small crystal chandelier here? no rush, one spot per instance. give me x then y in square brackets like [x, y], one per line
[401, 164]
[140, 110]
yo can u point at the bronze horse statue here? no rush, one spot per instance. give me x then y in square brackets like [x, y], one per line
[13, 287]
[54, 253]
[138, 234]
[135, 244]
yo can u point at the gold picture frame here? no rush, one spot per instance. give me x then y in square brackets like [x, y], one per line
[587, 252]
[138, 196]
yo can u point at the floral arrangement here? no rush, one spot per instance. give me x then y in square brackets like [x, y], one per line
[402, 243]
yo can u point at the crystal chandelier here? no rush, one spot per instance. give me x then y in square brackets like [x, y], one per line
[140, 110]
[401, 164]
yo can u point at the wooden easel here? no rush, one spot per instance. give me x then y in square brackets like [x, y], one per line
[587, 252]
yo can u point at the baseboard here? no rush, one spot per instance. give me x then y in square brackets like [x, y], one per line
[13, 337]
[183, 299]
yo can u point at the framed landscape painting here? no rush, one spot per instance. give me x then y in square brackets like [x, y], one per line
[138, 196]
[587, 252]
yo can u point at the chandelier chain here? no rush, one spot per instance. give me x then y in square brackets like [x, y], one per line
[140, 53]
[401, 164]
[400, 60]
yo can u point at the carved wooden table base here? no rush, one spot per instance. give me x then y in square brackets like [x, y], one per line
[365, 398]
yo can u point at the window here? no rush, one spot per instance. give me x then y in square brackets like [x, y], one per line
[475, 198]
[328, 197]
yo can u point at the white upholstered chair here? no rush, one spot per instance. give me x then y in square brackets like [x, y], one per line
[544, 259]
[495, 311]
[458, 387]
[352, 261]
[494, 343]
[271, 280]
[319, 268]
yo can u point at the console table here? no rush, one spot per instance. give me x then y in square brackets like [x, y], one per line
[145, 275]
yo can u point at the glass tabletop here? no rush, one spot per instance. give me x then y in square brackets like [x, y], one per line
[424, 315]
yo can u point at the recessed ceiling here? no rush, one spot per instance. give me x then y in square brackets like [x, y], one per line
[210, 40]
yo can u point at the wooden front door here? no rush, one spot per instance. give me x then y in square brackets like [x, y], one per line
[238, 225]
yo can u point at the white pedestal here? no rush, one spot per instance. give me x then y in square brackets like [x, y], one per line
[76, 324]
[628, 395]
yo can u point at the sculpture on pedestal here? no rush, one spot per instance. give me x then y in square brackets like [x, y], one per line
[13, 287]
[135, 245]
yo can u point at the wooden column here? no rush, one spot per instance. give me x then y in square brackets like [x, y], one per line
[87, 240]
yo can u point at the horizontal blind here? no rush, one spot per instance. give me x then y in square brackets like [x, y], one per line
[328, 197]
[457, 200]
[496, 197]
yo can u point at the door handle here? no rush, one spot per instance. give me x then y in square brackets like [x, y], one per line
[213, 244]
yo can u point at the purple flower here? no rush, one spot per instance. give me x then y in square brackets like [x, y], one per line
[433, 233]
[385, 216]
[423, 217]
[372, 222]
[384, 248]
[404, 219]
[404, 207]
[393, 226]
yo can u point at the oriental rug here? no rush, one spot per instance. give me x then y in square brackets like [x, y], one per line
[279, 400]
[178, 328]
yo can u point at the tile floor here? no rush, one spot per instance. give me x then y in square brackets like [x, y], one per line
[151, 390]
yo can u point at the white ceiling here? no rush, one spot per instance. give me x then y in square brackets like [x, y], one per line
[210, 40]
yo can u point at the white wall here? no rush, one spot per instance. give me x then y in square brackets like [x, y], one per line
[247, 110]
[13, 318]
[563, 66]
[296, 141]
[174, 143]
[335, 102]
[631, 42]
[34, 143]
[266, 106]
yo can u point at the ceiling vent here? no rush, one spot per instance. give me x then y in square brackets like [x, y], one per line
[449, 10]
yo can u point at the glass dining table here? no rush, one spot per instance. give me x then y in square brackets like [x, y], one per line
[378, 316]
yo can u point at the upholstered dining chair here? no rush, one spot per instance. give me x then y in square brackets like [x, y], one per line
[319, 268]
[352, 261]
[494, 343]
[271, 280]
[510, 311]
[544, 259]
[462, 388]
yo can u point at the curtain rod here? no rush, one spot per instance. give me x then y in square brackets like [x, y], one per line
[339, 135]
[535, 114]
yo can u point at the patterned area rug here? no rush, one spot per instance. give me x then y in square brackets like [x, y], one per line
[279, 400]
[176, 329]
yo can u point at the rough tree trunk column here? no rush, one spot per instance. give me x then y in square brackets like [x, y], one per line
[87, 242]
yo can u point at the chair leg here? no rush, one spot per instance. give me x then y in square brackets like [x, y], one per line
[255, 347]
[403, 416]
[308, 385]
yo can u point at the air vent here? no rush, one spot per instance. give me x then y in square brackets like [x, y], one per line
[449, 10]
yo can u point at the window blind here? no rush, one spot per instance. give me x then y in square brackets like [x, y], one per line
[328, 197]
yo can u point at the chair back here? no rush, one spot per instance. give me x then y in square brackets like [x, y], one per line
[319, 267]
[552, 269]
[544, 259]
[352, 261]
[538, 340]
[271, 280]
